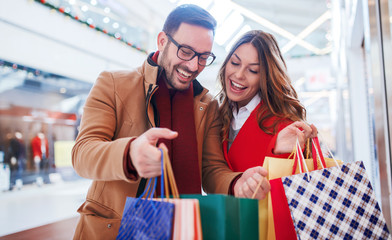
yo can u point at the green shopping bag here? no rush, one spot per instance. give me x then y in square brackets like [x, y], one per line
[227, 217]
[249, 218]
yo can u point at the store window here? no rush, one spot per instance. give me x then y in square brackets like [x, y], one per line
[39, 118]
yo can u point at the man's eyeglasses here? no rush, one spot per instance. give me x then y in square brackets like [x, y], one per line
[186, 53]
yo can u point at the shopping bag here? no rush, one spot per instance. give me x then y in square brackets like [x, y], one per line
[187, 219]
[248, 213]
[331, 203]
[146, 218]
[334, 203]
[281, 167]
[227, 217]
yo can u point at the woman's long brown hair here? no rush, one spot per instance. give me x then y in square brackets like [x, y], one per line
[277, 94]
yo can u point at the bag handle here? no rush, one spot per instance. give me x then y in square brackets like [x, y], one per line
[149, 190]
[167, 177]
[328, 150]
[299, 158]
[297, 154]
[316, 154]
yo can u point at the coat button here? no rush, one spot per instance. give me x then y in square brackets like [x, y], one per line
[109, 225]
[201, 108]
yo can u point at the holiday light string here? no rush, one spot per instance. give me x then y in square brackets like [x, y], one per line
[20, 67]
[7, 67]
[15, 66]
[92, 26]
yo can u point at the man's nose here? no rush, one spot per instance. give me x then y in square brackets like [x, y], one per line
[193, 64]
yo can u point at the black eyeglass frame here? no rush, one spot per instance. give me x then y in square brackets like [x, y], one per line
[179, 46]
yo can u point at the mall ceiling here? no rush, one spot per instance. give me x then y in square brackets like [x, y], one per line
[302, 27]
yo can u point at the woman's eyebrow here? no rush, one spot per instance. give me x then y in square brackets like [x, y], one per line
[240, 60]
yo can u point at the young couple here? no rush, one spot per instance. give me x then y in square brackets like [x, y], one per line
[129, 114]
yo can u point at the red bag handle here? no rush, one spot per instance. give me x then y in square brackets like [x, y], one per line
[316, 151]
[316, 155]
[295, 163]
[299, 157]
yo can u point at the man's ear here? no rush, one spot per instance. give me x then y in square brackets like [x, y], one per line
[161, 41]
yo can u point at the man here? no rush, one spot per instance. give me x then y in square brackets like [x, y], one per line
[128, 114]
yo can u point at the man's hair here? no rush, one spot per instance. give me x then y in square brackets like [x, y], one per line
[191, 14]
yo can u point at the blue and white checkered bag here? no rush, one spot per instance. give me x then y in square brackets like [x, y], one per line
[335, 203]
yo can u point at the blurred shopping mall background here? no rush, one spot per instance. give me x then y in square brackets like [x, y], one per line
[338, 53]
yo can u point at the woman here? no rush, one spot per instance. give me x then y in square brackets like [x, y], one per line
[257, 102]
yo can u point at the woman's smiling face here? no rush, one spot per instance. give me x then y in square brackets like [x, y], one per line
[242, 75]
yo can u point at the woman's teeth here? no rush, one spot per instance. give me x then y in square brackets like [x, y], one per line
[237, 85]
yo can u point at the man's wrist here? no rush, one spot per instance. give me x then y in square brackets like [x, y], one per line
[129, 170]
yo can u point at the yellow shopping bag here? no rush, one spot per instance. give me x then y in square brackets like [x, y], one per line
[282, 167]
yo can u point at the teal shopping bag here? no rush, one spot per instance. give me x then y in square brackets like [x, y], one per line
[227, 217]
[249, 218]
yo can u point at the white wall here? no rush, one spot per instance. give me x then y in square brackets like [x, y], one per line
[35, 36]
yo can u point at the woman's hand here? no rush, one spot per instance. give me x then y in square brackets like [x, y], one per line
[287, 137]
[247, 184]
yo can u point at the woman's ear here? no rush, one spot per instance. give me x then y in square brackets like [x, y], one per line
[161, 41]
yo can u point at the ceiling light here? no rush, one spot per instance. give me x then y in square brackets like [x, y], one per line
[63, 90]
[93, 2]
[72, 2]
[308, 30]
[84, 8]
[273, 27]
[116, 25]
[106, 20]
[106, 10]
